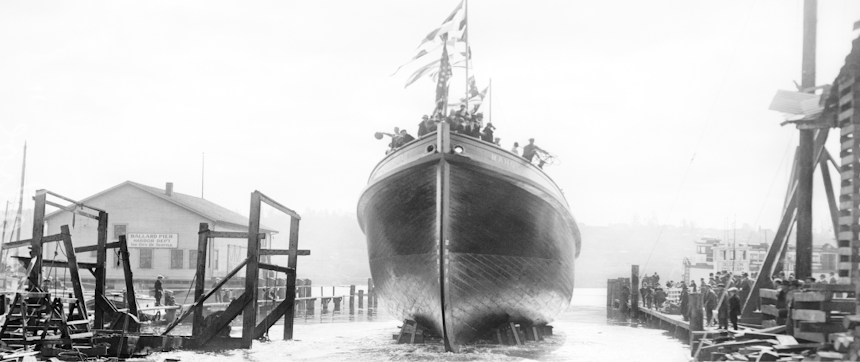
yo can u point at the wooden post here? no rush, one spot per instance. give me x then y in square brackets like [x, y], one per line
[200, 285]
[634, 291]
[360, 299]
[131, 298]
[101, 259]
[806, 160]
[35, 276]
[252, 272]
[292, 261]
[695, 304]
[370, 292]
[351, 298]
[73, 269]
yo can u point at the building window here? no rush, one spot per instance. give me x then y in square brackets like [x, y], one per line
[216, 259]
[192, 259]
[176, 259]
[118, 229]
[145, 259]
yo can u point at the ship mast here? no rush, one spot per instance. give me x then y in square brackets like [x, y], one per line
[468, 51]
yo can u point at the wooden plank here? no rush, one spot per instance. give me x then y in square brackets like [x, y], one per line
[78, 203]
[812, 296]
[252, 271]
[768, 293]
[810, 336]
[809, 315]
[826, 328]
[848, 144]
[773, 311]
[842, 306]
[127, 273]
[849, 129]
[200, 279]
[847, 159]
[101, 259]
[841, 288]
[846, 235]
[283, 252]
[231, 234]
[233, 310]
[86, 248]
[273, 317]
[828, 190]
[73, 269]
[846, 114]
[277, 268]
[846, 220]
[846, 82]
[292, 262]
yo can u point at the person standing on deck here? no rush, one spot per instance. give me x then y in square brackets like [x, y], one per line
[422, 127]
[685, 303]
[159, 290]
[516, 148]
[530, 150]
[734, 307]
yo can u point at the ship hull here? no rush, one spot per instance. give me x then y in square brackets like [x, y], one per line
[463, 243]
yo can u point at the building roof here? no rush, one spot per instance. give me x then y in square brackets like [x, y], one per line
[197, 205]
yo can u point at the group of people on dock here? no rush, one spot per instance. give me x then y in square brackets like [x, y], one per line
[465, 123]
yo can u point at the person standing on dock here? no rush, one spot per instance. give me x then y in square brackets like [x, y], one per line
[722, 307]
[159, 290]
[685, 303]
[709, 300]
[745, 286]
[693, 285]
[734, 307]
[833, 278]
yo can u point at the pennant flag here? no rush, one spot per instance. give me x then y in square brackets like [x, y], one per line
[444, 74]
[455, 21]
[428, 69]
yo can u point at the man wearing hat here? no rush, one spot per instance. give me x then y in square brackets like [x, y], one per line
[159, 290]
[529, 152]
[745, 287]
[734, 307]
[709, 300]
[422, 127]
[722, 307]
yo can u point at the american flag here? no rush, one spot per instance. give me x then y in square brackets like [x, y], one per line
[444, 75]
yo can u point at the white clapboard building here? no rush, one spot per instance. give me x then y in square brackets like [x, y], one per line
[161, 229]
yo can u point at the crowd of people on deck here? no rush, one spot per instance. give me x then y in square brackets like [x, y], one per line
[465, 123]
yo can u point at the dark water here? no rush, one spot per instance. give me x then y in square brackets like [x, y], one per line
[582, 333]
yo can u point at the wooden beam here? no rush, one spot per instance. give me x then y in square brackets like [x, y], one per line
[292, 262]
[72, 210]
[277, 268]
[101, 258]
[35, 276]
[283, 252]
[278, 206]
[86, 248]
[231, 234]
[233, 310]
[73, 201]
[199, 302]
[28, 242]
[252, 271]
[130, 296]
[272, 318]
[831, 197]
[200, 285]
[73, 269]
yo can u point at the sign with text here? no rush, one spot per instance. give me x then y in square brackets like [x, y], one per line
[153, 241]
[733, 265]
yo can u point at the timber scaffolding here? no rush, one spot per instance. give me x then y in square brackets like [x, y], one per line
[52, 332]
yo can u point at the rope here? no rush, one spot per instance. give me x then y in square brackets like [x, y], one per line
[702, 135]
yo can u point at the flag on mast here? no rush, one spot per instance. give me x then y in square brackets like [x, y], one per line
[452, 31]
[442, 86]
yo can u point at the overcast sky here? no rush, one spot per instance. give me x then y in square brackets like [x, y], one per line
[284, 97]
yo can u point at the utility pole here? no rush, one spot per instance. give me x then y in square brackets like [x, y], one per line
[806, 162]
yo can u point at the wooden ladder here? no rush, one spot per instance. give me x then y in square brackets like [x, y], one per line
[26, 317]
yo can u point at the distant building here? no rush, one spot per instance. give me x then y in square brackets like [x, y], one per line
[161, 229]
[714, 255]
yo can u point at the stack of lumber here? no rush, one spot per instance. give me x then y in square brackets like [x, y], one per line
[815, 314]
[773, 310]
[765, 345]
